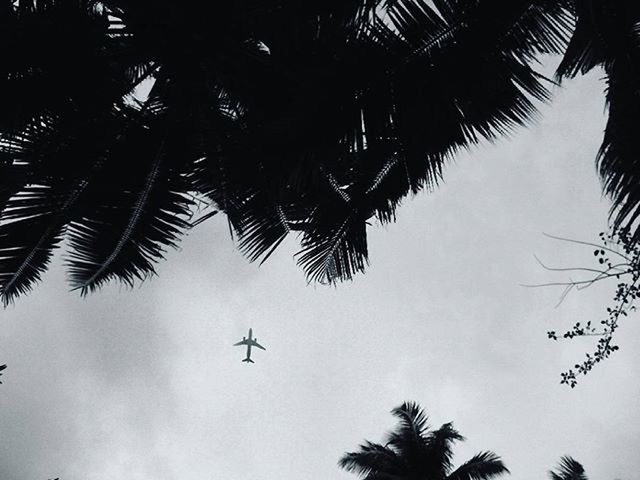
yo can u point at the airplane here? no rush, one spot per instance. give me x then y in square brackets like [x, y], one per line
[249, 342]
[2, 367]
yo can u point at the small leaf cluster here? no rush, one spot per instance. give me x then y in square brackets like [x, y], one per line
[619, 256]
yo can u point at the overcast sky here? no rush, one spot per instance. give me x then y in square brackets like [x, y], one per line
[144, 384]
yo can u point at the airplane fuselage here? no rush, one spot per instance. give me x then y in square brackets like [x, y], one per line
[248, 359]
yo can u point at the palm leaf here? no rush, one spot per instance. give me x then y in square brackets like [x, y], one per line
[373, 461]
[30, 229]
[539, 26]
[264, 225]
[568, 469]
[585, 50]
[482, 466]
[413, 419]
[262, 231]
[334, 244]
[39, 199]
[131, 220]
[439, 449]
[410, 437]
[223, 173]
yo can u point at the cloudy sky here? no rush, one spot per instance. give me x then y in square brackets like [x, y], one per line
[145, 384]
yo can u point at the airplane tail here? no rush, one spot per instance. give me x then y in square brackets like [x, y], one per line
[248, 360]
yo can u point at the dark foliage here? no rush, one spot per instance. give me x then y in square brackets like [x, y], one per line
[414, 451]
[607, 35]
[312, 117]
[568, 469]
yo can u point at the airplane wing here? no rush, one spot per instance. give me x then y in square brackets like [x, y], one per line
[256, 344]
[242, 342]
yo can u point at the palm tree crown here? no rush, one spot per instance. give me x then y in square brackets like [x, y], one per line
[414, 451]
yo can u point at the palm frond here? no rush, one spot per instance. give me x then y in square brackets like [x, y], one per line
[263, 227]
[439, 449]
[334, 244]
[482, 466]
[130, 222]
[585, 50]
[539, 26]
[213, 134]
[413, 418]
[373, 461]
[47, 173]
[568, 469]
[409, 438]
[30, 228]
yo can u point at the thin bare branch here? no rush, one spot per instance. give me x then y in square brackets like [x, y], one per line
[604, 275]
[602, 247]
[572, 269]
[572, 282]
[565, 292]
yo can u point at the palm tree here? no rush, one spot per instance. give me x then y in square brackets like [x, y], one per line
[415, 452]
[568, 469]
[310, 117]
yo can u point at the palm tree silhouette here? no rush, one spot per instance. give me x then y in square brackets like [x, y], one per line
[310, 117]
[568, 469]
[415, 452]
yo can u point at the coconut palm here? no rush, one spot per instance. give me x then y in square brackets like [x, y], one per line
[312, 117]
[413, 451]
[568, 469]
